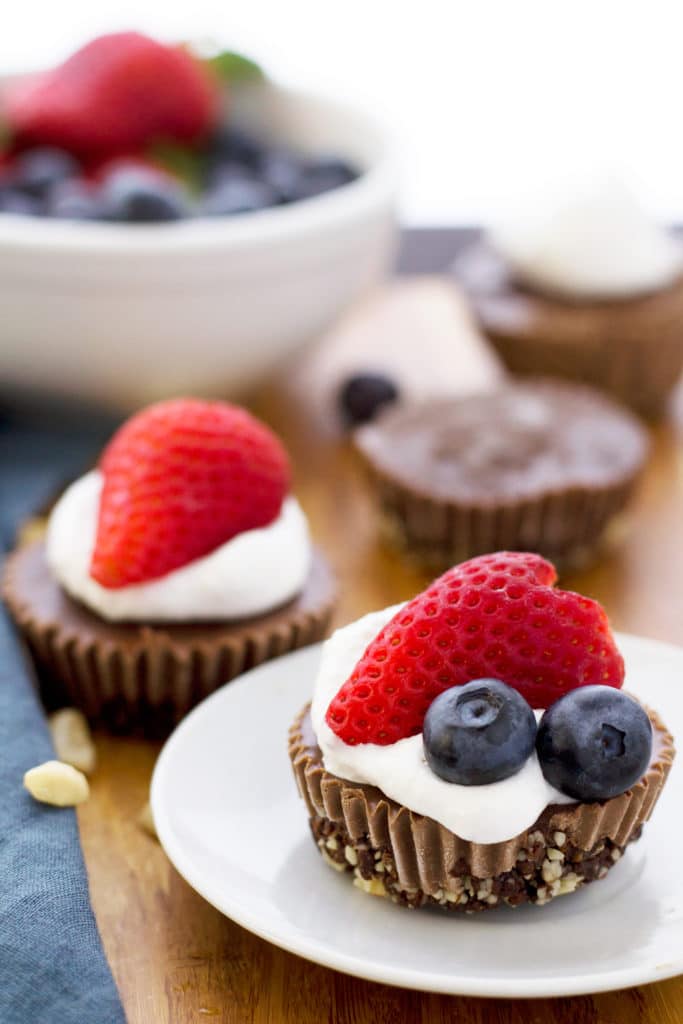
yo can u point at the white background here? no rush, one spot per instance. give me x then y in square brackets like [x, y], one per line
[484, 97]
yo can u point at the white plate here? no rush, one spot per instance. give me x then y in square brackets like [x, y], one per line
[230, 819]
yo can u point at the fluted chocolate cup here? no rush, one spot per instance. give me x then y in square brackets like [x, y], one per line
[541, 466]
[631, 348]
[131, 677]
[414, 860]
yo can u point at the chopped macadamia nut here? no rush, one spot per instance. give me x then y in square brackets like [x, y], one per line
[57, 783]
[72, 739]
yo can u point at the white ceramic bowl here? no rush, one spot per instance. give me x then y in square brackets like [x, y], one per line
[124, 314]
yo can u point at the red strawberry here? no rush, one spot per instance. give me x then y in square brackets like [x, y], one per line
[495, 616]
[114, 95]
[181, 478]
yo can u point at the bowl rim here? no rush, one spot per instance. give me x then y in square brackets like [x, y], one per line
[374, 187]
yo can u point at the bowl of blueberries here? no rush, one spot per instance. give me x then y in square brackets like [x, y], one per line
[174, 224]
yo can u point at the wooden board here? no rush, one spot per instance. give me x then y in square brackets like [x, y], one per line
[177, 960]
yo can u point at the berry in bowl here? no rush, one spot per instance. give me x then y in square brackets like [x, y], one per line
[169, 230]
[473, 747]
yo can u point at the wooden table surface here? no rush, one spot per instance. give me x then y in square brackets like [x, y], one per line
[177, 960]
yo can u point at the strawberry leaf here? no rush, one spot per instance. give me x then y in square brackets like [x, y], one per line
[188, 165]
[235, 68]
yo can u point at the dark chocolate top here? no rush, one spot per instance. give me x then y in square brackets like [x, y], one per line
[522, 441]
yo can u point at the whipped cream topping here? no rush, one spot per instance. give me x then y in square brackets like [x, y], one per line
[253, 573]
[481, 814]
[597, 243]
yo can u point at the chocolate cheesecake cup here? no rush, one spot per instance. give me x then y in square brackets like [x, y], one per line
[542, 465]
[631, 348]
[415, 861]
[135, 677]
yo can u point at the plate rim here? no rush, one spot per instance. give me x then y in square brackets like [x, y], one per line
[312, 950]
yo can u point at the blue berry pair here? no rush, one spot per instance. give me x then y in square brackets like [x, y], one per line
[592, 744]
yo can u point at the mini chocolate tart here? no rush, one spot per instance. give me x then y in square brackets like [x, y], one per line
[415, 861]
[134, 677]
[631, 348]
[542, 465]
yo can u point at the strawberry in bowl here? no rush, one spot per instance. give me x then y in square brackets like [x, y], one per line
[474, 747]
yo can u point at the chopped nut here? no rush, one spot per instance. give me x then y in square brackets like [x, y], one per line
[331, 843]
[492, 899]
[615, 854]
[332, 863]
[559, 838]
[373, 886]
[57, 783]
[537, 838]
[451, 897]
[485, 887]
[521, 855]
[602, 872]
[71, 736]
[351, 855]
[464, 897]
[569, 883]
[553, 854]
[146, 821]
[550, 870]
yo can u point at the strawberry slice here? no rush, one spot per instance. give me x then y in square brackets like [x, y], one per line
[496, 616]
[115, 95]
[181, 478]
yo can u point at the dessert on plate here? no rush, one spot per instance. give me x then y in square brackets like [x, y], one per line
[536, 465]
[474, 747]
[180, 561]
[586, 287]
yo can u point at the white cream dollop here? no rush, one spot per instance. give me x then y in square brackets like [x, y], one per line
[480, 814]
[598, 242]
[253, 573]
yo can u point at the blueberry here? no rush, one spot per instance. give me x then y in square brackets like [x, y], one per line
[478, 733]
[13, 201]
[36, 171]
[322, 174]
[138, 195]
[237, 195]
[283, 171]
[363, 395]
[234, 145]
[594, 743]
[228, 170]
[74, 200]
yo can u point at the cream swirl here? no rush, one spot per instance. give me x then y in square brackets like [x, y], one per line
[253, 573]
[482, 814]
[596, 243]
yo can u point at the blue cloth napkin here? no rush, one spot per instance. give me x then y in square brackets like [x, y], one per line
[52, 965]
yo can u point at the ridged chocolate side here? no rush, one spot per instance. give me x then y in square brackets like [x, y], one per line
[564, 526]
[145, 678]
[426, 854]
[641, 372]
[630, 347]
